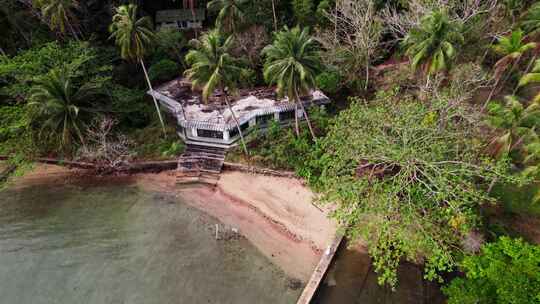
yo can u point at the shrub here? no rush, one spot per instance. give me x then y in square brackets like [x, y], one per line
[163, 70]
[507, 271]
[329, 81]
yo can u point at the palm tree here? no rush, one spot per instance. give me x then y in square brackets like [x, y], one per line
[514, 120]
[511, 48]
[59, 14]
[134, 36]
[531, 21]
[292, 62]
[60, 106]
[274, 15]
[13, 19]
[212, 67]
[433, 43]
[230, 16]
[532, 77]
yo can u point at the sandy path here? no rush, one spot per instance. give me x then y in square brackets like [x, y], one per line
[284, 200]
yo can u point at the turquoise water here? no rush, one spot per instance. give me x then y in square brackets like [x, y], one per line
[119, 244]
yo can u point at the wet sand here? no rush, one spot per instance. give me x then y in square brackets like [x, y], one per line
[275, 214]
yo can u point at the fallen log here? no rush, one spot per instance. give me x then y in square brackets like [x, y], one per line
[257, 170]
[7, 172]
[135, 167]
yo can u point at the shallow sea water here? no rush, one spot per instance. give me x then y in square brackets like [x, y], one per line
[120, 244]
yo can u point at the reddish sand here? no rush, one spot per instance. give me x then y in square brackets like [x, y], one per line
[276, 214]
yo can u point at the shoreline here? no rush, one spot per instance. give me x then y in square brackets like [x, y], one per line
[274, 213]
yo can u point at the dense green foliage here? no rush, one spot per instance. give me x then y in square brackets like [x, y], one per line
[507, 271]
[59, 106]
[230, 16]
[133, 35]
[408, 178]
[279, 148]
[413, 170]
[303, 11]
[163, 70]
[433, 44]
[17, 73]
[212, 67]
[292, 62]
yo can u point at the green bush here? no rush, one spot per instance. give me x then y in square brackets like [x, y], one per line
[279, 148]
[329, 82]
[507, 271]
[151, 144]
[163, 70]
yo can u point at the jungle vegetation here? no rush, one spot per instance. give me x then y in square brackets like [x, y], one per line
[430, 150]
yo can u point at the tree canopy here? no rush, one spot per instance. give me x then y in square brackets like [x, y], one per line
[506, 271]
[408, 179]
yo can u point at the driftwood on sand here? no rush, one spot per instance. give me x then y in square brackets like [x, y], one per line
[135, 167]
[257, 170]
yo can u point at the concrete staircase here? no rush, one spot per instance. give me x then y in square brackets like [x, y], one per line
[200, 164]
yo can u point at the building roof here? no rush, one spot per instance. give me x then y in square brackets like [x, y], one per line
[167, 16]
[178, 99]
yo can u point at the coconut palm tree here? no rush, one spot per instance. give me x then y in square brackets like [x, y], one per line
[292, 62]
[60, 107]
[212, 67]
[511, 48]
[531, 21]
[59, 14]
[14, 20]
[532, 77]
[230, 15]
[274, 15]
[432, 45]
[515, 120]
[134, 37]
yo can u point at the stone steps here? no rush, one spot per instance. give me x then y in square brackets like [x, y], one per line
[200, 164]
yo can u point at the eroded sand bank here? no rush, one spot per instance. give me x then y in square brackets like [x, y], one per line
[276, 214]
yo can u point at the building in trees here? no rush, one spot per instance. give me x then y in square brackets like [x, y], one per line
[183, 19]
[212, 125]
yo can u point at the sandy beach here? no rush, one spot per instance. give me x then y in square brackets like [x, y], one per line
[276, 214]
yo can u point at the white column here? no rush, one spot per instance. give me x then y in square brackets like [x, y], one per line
[299, 113]
[194, 132]
[276, 116]
[226, 136]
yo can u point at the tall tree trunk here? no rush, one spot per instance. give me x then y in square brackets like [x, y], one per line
[529, 66]
[155, 101]
[298, 101]
[488, 99]
[367, 72]
[296, 124]
[73, 32]
[236, 121]
[275, 16]
[497, 84]
[336, 21]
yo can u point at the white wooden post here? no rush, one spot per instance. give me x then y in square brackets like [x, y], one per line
[299, 113]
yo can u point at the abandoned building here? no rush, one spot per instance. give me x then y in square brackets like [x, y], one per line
[182, 19]
[212, 124]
